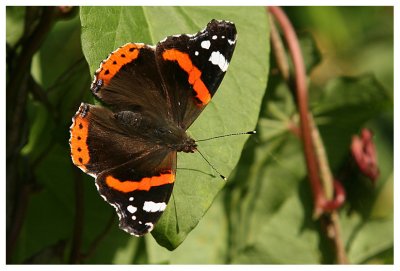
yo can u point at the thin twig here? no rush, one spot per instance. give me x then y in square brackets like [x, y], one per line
[17, 86]
[19, 217]
[279, 51]
[40, 95]
[330, 225]
[325, 171]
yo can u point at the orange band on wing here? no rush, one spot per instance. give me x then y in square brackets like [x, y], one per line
[183, 59]
[78, 142]
[116, 60]
[144, 184]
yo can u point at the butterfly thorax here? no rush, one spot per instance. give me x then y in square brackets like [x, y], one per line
[173, 138]
[164, 134]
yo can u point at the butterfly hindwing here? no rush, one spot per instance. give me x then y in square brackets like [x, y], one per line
[139, 195]
[134, 175]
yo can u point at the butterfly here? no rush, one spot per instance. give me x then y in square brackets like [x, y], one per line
[152, 94]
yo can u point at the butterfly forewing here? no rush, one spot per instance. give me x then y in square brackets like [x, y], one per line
[193, 66]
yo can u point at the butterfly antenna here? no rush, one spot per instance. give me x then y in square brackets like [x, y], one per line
[222, 176]
[233, 134]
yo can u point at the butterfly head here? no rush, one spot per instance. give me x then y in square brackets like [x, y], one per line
[187, 145]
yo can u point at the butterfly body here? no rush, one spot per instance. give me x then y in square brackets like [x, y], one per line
[165, 135]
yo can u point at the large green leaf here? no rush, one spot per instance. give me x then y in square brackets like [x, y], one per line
[235, 107]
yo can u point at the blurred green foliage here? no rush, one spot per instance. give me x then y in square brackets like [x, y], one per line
[264, 212]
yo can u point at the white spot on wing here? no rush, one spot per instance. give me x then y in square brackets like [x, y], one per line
[151, 226]
[218, 59]
[133, 217]
[132, 209]
[131, 199]
[196, 53]
[205, 44]
[153, 207]
[214, 37]
[231, 42]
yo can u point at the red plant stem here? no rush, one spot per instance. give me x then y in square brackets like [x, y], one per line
[302, 98]
[321, 203]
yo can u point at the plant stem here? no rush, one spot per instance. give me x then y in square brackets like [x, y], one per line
[279, 51]
[324, 169]
[314, 151]
[302, 99]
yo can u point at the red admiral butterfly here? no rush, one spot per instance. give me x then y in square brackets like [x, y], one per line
[153, 94]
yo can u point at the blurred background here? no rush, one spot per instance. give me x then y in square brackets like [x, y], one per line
[351, 40]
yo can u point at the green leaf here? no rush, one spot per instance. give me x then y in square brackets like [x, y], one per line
[346, 104]
[60, 53]
[365, 239]
[209, 237]
[115, 248]
[269, 205]
[311, 54]
[234, 108]
[49, 216]
[14, 24]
